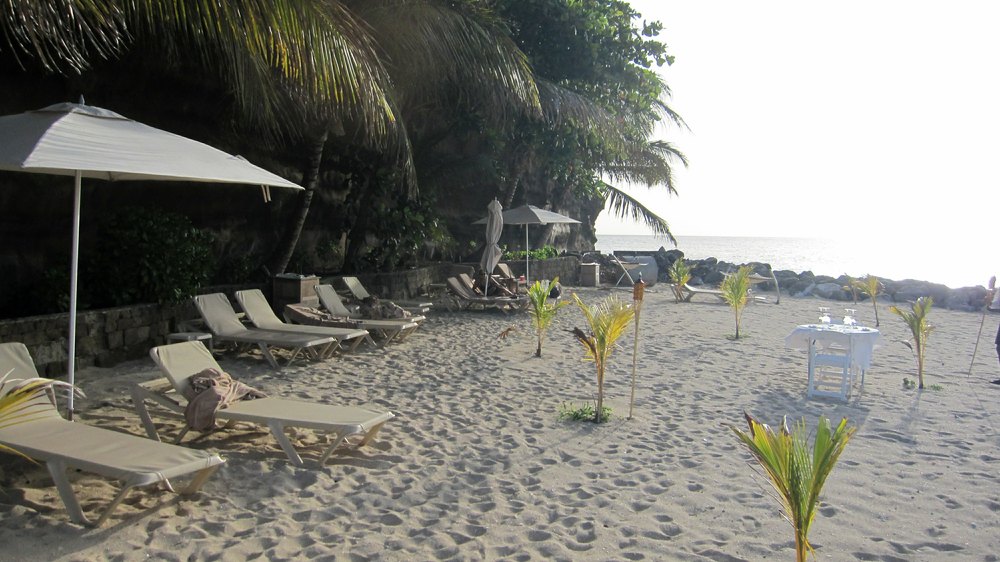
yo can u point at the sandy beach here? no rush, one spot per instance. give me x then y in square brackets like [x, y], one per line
[477, 466]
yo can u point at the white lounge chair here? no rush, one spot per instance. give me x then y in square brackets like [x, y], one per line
[225, 326]
[465, 299]
[62, 445]
[180, 361]
[390, 329]
[358, 291]
[260, 314]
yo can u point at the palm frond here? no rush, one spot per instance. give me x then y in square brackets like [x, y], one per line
[624, 206]
[436, 49]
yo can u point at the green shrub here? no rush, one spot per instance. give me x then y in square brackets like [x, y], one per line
[148, 256]
[543, 253]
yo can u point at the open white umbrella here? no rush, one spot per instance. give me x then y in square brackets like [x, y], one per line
[529, 214]
[492, 252]
[83, 141]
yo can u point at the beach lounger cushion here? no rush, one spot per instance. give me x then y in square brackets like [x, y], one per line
[178, 362]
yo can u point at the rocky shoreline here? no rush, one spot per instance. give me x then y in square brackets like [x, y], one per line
[711, 271]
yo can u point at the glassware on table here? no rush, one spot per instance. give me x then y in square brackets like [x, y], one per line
[849, 316]
[824, 314]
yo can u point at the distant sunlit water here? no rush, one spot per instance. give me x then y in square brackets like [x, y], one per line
[960, 266]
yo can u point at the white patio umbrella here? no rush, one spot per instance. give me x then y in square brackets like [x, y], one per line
[492, 252]
[83, 141]
[529, 214]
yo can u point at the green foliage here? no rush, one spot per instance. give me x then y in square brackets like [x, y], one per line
[796, 471]
[584, 412]
[541, 310]
[607, 322]
[920, 329]
[148, 256]
[680, 274]
[543, 253]
[735, 289]
[402, 231]
[853, 285]
[23, 400]
[871, 287]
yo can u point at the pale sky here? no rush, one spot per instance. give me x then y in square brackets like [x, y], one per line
[806, 115]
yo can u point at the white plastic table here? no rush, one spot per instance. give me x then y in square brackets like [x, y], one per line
[861, 340]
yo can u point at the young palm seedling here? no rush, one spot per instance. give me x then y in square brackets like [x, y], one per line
[19, 401]
[681, 274]
[542, 311]
[796, 472]
[916, 319]
[606, 322]
[735, 289]
[871, 287]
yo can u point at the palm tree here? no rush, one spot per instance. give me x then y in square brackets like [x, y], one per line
[541, 310]
[916, 320]
[680, 273]
[871, 287]
[796, 472]
[607, 322]
[19, 400]
[735, 289]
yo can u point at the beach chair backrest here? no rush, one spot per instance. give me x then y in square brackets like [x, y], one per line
[459, 288]
[331, 300]
[15, 359]
[505, 271]
[355, 287]
[180, 361]
[218, 314]
[258, 310]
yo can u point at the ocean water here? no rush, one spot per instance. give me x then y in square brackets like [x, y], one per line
[960, 266]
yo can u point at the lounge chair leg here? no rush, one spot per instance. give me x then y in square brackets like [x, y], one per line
[338, 438]
[265, 350]
[199, 479]
[372, 433]
[57, 469]
[147, 420]
[111, 506]
[278, 431]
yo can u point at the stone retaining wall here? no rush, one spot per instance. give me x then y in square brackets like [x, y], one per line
[109, 336]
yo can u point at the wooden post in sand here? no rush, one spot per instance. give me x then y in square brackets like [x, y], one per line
[637, 291]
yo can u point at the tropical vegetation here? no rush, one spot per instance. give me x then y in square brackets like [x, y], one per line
[920, 330]
[606, 322]
[736, 291]
[795, 470]
[401, 118]
[542, 311]
[871, 287]
[20, 401]
[680, 274]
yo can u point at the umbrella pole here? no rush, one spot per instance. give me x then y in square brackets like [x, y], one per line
[527, 278]
[74, 267]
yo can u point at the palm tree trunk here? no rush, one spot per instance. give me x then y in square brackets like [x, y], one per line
[600, 393]
[801, 552]
[310, 178]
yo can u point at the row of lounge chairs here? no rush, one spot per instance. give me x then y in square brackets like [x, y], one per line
[464, 297]
[43, 434]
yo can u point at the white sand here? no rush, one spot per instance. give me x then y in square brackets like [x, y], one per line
[476, 465]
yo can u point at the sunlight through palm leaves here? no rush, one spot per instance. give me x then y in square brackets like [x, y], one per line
[19, 401]
[916, 320]
[735, 289]
[871, 287]
[796, 472]
[607, 322]
[541, 310]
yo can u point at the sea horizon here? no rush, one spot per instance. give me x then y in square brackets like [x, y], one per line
[821, 256]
